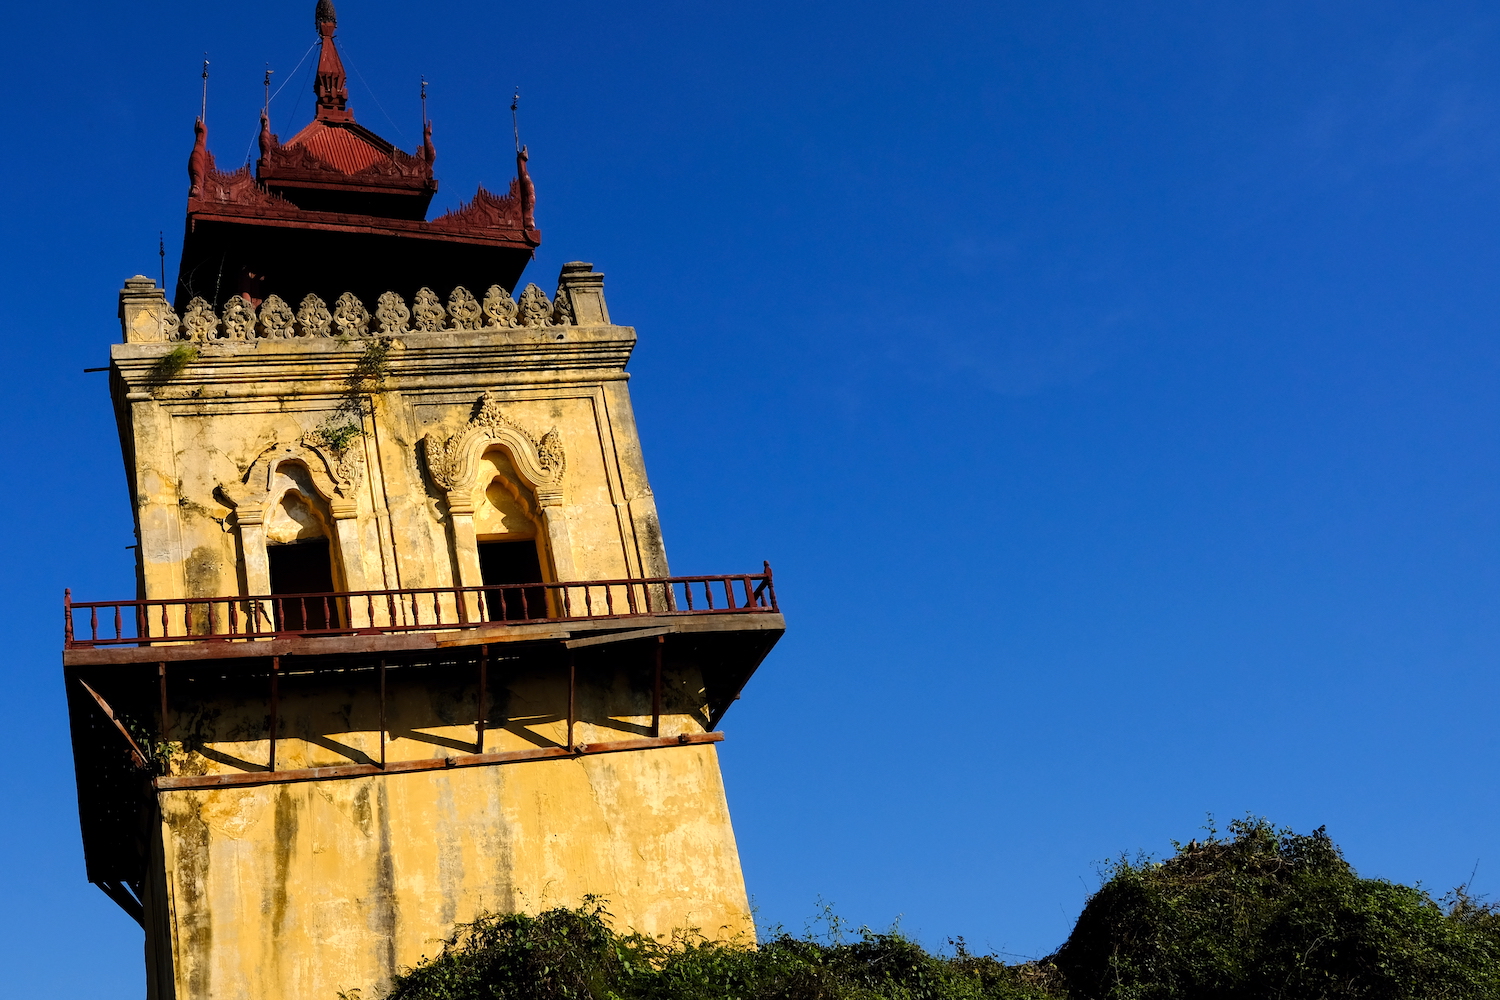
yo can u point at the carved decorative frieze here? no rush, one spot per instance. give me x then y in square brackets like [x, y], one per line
[485, 211]
[239, 320]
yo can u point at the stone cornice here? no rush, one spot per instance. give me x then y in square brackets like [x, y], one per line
[323, 366]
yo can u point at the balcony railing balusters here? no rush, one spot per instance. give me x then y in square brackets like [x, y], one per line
[187, 618]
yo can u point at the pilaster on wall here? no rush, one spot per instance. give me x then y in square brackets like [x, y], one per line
[585, 288]
[143, 310]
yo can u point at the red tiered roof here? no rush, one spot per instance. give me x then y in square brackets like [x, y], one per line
[338, 208]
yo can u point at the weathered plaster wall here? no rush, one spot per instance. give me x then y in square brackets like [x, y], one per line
[299, 890]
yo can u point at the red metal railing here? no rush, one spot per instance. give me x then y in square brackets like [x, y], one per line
[422, 609]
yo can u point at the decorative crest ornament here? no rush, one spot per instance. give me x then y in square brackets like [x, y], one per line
[428, 310]
[313, 317]
[345, 463]
[276, 319]
[239, 319]
[171, 326]
[331, 85]
[562, 308]
[350, 316]
[463, 311]
[499, 307]
[534, 308]
[199, 322]
[391, 314]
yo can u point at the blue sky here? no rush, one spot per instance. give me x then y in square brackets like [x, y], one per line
[1113, 388]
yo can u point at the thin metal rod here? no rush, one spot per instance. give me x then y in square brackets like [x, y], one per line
[484, 663]
[382, 713]
[656, 689]
[275, 698]
[572, 685]
[166, 722]
[252, 778]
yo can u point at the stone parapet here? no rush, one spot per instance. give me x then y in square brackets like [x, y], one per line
[146, 317]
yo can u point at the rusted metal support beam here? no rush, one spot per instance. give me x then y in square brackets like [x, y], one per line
[166, 721]
[275, 704]
[484, 663]
[661, 642]
[124, 900]
[135, 751]
[252, 778]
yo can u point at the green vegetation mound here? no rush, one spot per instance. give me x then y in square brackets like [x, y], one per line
[574, 955]
[1270, 914]
[1264, 913]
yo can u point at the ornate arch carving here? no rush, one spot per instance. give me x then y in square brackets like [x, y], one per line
[453, 463]
[334, 474]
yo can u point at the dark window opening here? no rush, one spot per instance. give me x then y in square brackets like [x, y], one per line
[512, 562]
[302, 568]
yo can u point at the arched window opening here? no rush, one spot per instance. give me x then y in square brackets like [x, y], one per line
[506, 530]
[300, 562]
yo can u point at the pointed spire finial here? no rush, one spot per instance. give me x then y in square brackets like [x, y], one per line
[331, 85]
[515, 122]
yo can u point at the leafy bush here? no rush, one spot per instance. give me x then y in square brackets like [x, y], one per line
[1264, 913]
[1267, 913]
[567, 954]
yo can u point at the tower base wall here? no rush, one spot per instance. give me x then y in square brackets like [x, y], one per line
[300, 890]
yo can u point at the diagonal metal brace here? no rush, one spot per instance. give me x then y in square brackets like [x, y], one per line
[135, 750]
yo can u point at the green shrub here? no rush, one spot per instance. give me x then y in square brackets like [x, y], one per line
[567, 954]
[1267, 913]
[1264, 913]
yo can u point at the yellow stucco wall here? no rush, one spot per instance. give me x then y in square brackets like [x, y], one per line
[298, 890]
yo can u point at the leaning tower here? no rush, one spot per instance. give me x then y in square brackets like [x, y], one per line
[404, 647]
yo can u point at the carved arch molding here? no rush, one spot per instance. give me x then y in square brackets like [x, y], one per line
[453, 464]
[334, 474]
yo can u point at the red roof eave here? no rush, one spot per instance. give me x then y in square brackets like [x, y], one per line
[200, 211]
